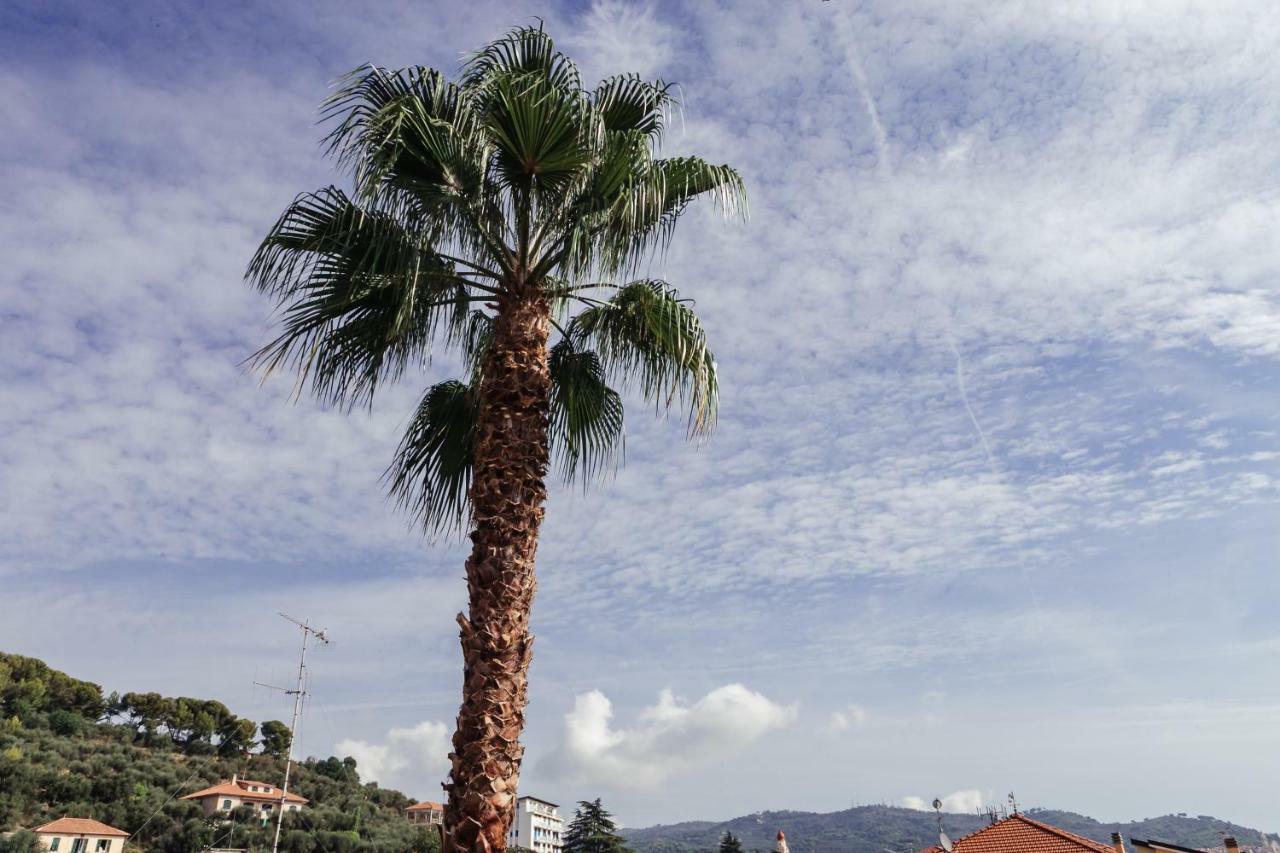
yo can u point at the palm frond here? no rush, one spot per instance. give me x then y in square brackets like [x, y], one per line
[431, 473]
[647, 335]
[628, 103]
[542, 135]
[586, 414]
[360, 299]
[643, 215]
[414, 132]
[474, 335]
[364, 102]
[522, 51]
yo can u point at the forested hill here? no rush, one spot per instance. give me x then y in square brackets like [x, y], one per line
[66, 749]
[885, 829]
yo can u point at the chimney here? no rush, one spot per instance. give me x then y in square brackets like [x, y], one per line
[1117, 842]
[780, 846]
[234, 777]
[1230, 843]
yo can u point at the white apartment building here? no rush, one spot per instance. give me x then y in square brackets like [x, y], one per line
[537, 826]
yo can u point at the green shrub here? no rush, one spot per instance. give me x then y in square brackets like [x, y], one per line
[66, 723]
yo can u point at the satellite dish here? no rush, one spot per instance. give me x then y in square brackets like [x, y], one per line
[945, 842]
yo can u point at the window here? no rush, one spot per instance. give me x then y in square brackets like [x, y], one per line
[226, 805]
[79, 845]
[104, 844]
[53, 845]
[266, 807]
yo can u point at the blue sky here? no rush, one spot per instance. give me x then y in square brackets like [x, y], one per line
[993, 501]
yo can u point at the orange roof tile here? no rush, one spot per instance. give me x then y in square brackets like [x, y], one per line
[240, 789]
[80, 826]
[1021, 834]
[425, 806]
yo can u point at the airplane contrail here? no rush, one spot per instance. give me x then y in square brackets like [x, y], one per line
[845, 33]
[964, 398]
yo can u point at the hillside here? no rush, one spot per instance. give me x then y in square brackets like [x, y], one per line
[65, 749]
[885, 829]
[68, 749]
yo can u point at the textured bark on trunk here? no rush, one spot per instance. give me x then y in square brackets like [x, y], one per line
[507, 495]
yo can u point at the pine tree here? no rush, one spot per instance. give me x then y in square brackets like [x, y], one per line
[592, 830]
[730, 843]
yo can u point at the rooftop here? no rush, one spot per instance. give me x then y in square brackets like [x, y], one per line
[1163, 845]
[240, 788]
[426, 806]
[1021, 834]
[544, 802]
[80, 826]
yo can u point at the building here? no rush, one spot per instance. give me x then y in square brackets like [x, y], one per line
[1020, 834]
[1229, 845]
[425, 812]
[536, 826]
[80, 835]
[260, 796]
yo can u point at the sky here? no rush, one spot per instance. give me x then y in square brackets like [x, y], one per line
[993, 501]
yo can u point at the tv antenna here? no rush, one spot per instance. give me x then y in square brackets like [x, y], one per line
[944, 840]
[297, 693]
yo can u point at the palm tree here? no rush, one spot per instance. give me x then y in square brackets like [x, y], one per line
[498, 216]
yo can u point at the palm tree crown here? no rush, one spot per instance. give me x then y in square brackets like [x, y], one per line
[511, 184]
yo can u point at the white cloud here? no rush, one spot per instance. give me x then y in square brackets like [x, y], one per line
[668, 737]
[968, 801]
[847, 717]
[412, 759]
[622, 37]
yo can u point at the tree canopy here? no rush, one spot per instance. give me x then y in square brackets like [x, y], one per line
[51, 767]
[730, 843]
[516, 181]
[592, 830]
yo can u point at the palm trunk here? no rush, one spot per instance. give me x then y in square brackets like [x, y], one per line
[507, 494]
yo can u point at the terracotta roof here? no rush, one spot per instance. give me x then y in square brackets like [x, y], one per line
[425, 806]
[240, 789]
[245, 783]
[1021, 834]
[80, 826]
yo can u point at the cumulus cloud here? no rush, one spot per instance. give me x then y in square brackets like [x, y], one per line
[846, 718]
[968, 800]
[667, 737]
[412, 759]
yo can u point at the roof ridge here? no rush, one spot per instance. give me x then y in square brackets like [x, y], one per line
[80, 826]
[229, 789]
[1062, 833]
[1019, 819]
[977, 831]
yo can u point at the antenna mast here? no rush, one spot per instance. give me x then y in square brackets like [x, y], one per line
[944, 840]
[297, 693]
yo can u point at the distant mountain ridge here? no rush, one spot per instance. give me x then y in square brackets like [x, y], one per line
[888, 829]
